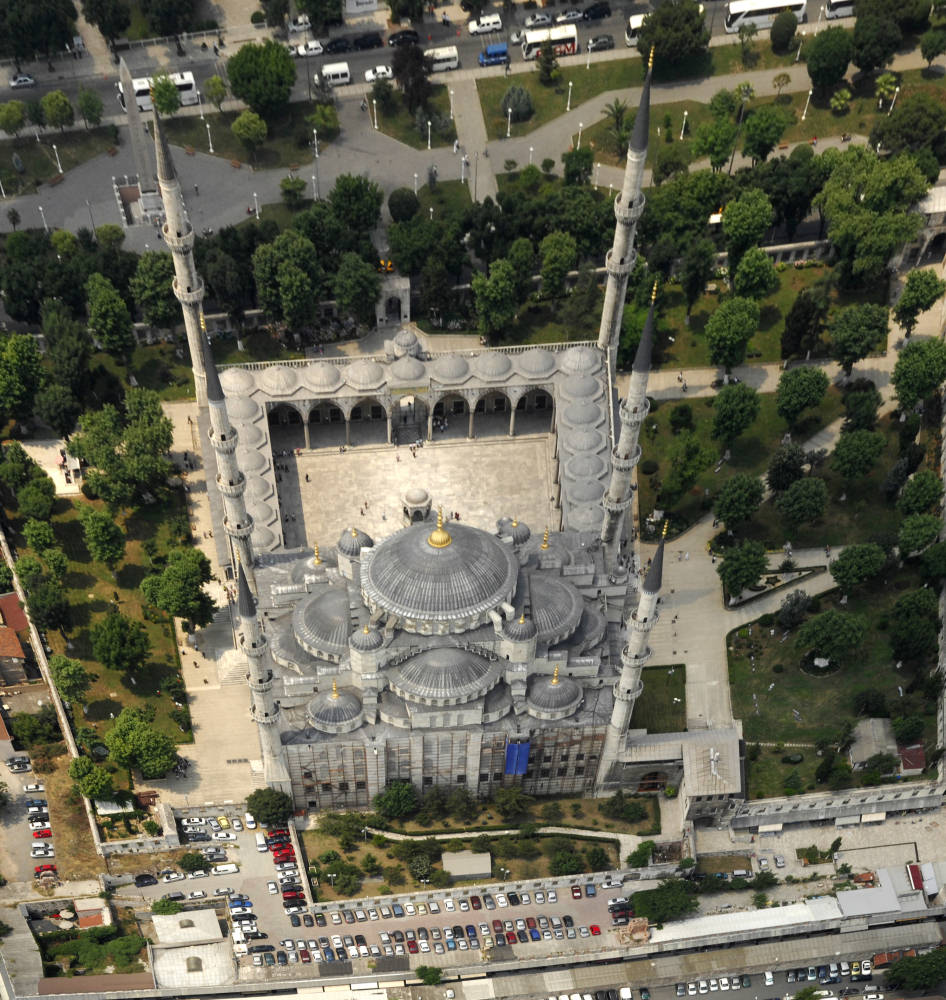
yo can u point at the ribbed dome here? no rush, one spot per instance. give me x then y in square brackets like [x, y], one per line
[353, 540]
[366, 639]
[556, 607]
[249, 460]
[450, 573]
[321, 377]
[492, 365]
[416, 496]
[322, 622]
[364, 374]
[581, 387]
[407, 369]
[242, 408]
[450, 368]
[580, 360]
[515, 529]
[443, 674]
[338, 710]
[278, 380]
[581, 439]
[237, 381]
[585, 490]
[520, 629]
[582, 412]
[585, 467]
[535, 361]
[260, 511]
[553, 696]
[263, 538]
[406, 339]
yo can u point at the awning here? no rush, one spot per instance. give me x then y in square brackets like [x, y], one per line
[847, 821]
[770, 828]
[873, 817]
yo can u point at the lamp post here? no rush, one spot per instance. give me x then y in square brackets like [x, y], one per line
[210, 142]
[597, 172]
[315, 148]
[476, 163]
[588, 60]
[462, 169]
[821, 14]
[684, 128]
[256, 205]
[315, 190]
[415, 183]
[531, 151]
[88, 205]
[581, 125]
[568, 105]
[896, 94]
[374, 104]
[332, 876]
[508, 123]
[43, 216]
[451, 104]
[431, 213]
[805, 112]
[58, 161]
[428, 133]
[801, 41]
[200, 106]
[3, 193]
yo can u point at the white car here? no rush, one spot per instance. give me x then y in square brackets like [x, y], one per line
[448, 904]
[486, 24]
[538, 20]
[34, 788]
[552, 896]
[313, 48]
[568, 16]
[225, 835]
[45, 851]
[378, 73]
[501, 899]
[173, 877]
[297, 24]
[197, 894]
[433, 907]
[200, 873]
[249, 822]
[22, 80]
[273, 888]
[410, 909]
[39, 824]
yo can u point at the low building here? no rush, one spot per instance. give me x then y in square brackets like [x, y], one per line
[12, 658]
[92, 912]
[912, 760]
[191, 951]
[467, 865]
[871, 737]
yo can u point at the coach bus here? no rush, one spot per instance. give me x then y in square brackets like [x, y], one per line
[185, 83]
[761, 13]
[563, 39]
[839, 8]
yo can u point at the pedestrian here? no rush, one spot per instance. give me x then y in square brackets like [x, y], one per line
[507, 70]
[456, 146]
[196, 189]
[307, 477]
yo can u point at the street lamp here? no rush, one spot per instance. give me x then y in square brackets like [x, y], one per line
[88, 205]
[508, 124]
[59, 162]
[315, 190]
[451, 104]
[315, 147]
[200, 106]
[597, 172]
[531, 151]
[568, 105]
[428, 133]
[581, 125]
[588, 61]
[896, 94]
[805, 112]
[431, 213]
[462, 169]
[476, 163]
[256, 205]
[683, 130]
[332, 876]
[43, 215]
[374, 104]
[364, 830]
[415, 183]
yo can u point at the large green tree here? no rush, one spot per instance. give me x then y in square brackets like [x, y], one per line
[411, 69]
[763, 130]
[104, 539]
[109, 319]
[262, 75]
[676, 32]
[739, 499]
[803, 502]
[495, 297]
[827, 56]
[111, 17]
[21, 375]
[742, 567]
[674, 898]
[357, 286]
[251, 129]
[921, 493]
[71, 678]
[398, 801]
[919, 371]
[833, 634]
[133, 742]
[356, 201]
[916, 532]
[559, 254]
[920, 293]
[857, 564]
[729, 329]
[798, 390]
[120, 643]
[57, 109]
[857, 452]
[745, 221]
[755, 276]
[269, 806]
[876, 39]
[179, 588]
[857, 330]
[734, 410]
[152, 289]
[715, 139]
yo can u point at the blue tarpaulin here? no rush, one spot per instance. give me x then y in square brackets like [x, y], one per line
[517, 758]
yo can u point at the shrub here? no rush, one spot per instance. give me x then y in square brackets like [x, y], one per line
[681, 418]
[257, 17]
[519, 101]
[403, 204]
[649, 467]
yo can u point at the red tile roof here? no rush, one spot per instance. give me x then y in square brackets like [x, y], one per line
[91, 920]
[10, 644]
[11, 611]
[912, 758]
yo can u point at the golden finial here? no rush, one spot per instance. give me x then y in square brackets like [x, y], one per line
[522, 618]
[439, 538]
[317, 561]
[653, 294]
[203, 322]
[650, 59]
[666, 529]
[555, 676]
[545, 539]
[354, 533]
[334, 689]
[515, 522]
[367, 630]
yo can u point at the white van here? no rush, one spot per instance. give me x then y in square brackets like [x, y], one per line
[225, 869]
[248, 821]
[335, 74]
[486, 24]
[261, 843]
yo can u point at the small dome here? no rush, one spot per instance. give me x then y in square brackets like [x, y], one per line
[258, 488]
[535, 361]
[581, 439]
[556, 607]
[582, 412]
[517, 530]
[237, 381]
[581, 387]
[322, 622]
[251, 435]
[335, 711]
[353, 541]
[553, 697]
[263, 538]
[249, 460]
[242, 408]
[584, 517]
[416, 496]
[520, 629]
[585, 490]
[492, 365]
[322, 377]
[407, 369]
[443, 674]
[580, 360]
[406, 339]
[260, 511]
[278, 380]
[450, 368]
[364, 374]
[366, 639]
[585, 467]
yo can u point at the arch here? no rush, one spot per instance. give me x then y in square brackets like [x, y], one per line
[449, 417]
[493, 408]
[653, 781]
[286, 425]
[369, 418]
[194, 964]
[535, 411]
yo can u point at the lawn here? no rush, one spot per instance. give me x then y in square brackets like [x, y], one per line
[75, 852]
[258, 345]
[163, 367]
[39, 159]
[400, 124]
[661, 708]
[448, 199]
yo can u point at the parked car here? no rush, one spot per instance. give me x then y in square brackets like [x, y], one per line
[538, 19]
[298, 24]
[368, 40]
[17, 82]
[596, 11]
[406, 37]
[336, 45]
[601, 43]
[569, 16]
[310, 48]
[378, 73]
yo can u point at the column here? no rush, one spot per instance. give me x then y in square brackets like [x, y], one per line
[347, 430]
[469, 433]
[430, 423]
[389, 428]
[305, 430]
[512, 421]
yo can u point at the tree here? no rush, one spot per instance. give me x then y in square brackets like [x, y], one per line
[13, 217]
[803, 502]
[109, 319]
[178, 588]
[747, 34]
[403, 204]
[120, 643]
[21, 374]
[39, 535]
[547, 66]
[356, 200]
[250, 129]
[932, 45]
[827, 56]
[49, 606]
[495, 297]
[855, 331]
[729, 329]
[742, 567]
[152, 289]
[915, 124]
[398, 801]
[799, 389]
[72, 680]
[262, 75]
[411, 70]
[512, 803]
[699, 262]
[781, 80]
[292, 190]
[755, 277]
[833, 634]
[908, 729]
[840, 101]
[132, 742]
[763, 130]
[877, 37]
[166, 907]
[90, 107]
[785, 467]
[357, 287]
[674, 898]
[857, 452]
[687, 457]
[166, 97]
[921, 493]
[676, 32]
[111, 17]
[782, 33]
[12, 118]
[57, 109]
[920, 293]
[917, 531]
[745, 222]
[919, 371]
[104, 539]
[793, 609]
[37, 498]
[715, 139]
[739, 499]
[734, 409]
[559, 253]
[857, 564]
[429, 975]
[861, 402]
[577, 165]
[269, 806]
[191, 861]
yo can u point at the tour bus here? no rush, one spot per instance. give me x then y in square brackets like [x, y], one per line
[336, 74]
[839, 8]
[761, 13]
[185, 83]
[563, 38]
[442, 59]
[633, 30]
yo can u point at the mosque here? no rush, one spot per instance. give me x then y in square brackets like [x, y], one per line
[444, 654]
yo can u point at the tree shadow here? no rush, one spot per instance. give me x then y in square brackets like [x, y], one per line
[769, 315]
[76, 580]
[932, 72]
[103, 708]
[149, 682]
[131, 575]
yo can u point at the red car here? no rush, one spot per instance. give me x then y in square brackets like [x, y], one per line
[281, 832]
[576, 892]
[530, 922]
[42, 834]
[293, 894]
[412, 947]
[511, 937]
[44, 868]
[497, 927]
[595, 930]
[282, 858]
[476, 903]
[304, 955]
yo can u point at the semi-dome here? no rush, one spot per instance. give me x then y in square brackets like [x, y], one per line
[445, 575]
[580, 387]
[536, 361]
[260, 511]
[584, 517]
[553, 697]
[581, 439]
[492, 365]
[242, 408]
[585, 490]
[582, 412]
[407, 369]
[520, 629]
[556, 607]
[322, 622]
[366, 639]
[250, 460]
[263, 537]
[321, 376]
[364, 374]
[237, 381]
[335, 711]
[580, 360]
[585, 467]
[450, 368]
[278, 380]
[443, 675]
[353, 540]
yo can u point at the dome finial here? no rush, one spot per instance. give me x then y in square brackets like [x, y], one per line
[653, 294]
[439, 538]
[545, 539]
[522, 618]
[317, 561]
[666, 529]
[354, 533]
[335, 688]
[555, 676]
[366, 630]
[650, 58]
[515, 522]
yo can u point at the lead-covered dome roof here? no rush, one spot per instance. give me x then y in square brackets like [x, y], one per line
[366, 639]
[580, 360]
[444, 674]
[520, 629]
[353, 541]
[321, 376]
[335, 711]
[450, 368]
[553, 697]
[236, 381]
[322, 622]
[279, 380]
[535, 361]
[556, 607]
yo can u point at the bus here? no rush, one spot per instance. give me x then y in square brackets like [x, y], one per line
[633, 30]
[761, 13]
[563, 37]
[440, 60]
[839, 8]
[185, 83]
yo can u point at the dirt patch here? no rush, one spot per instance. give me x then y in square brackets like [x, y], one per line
[76, 856]
[710, 864]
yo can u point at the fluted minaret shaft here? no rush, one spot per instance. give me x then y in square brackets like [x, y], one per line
[179, 237]
[628, 208]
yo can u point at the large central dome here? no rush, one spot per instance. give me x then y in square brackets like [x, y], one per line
[452, 575]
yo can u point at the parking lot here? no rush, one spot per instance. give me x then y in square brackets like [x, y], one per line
[19, 824]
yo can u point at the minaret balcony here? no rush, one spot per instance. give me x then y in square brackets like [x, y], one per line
[242, 529]
[226, 440]
[261, 685]
[624, 463]
[630, 693]
[636, 413]
[628, 214]
[642, 624]
[616, 506]
[193, 297]
[180, 244]
[620, 268]
[234, 489]
[255, 652]
[262, 719]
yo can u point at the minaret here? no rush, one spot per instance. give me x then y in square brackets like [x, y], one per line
[179, 236]
[260, 678]
[628, 207]
[633, 410]
[635, 654]
[140, 139]
[231, 483]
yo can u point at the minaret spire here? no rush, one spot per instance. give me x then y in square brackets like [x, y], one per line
[231, 483]
[179, 236]
[633, 410]
[635, 654]
[628, 207]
